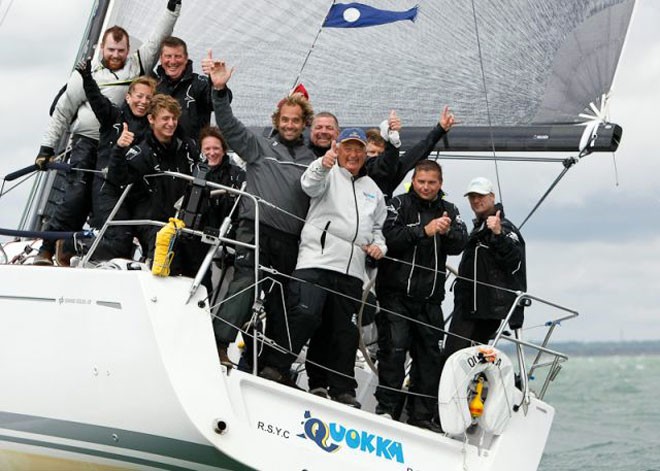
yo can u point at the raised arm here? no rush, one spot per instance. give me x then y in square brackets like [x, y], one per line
[150, 49]
[423, 148]
[243, 141]
[102, 107]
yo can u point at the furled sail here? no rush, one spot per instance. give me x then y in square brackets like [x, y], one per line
[513, 63]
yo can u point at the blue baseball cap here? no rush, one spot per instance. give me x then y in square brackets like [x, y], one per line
[353, 134]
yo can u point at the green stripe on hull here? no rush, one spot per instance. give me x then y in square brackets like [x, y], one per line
[126, 439]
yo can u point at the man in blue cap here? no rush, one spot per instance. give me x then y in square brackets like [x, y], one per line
[343, 227]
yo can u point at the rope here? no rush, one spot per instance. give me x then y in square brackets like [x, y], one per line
[485, 85]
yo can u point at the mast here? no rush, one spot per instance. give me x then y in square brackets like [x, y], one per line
[47, 186]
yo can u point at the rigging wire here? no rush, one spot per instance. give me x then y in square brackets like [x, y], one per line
[311, 48]
[568, 163]
[485, 85]
[616, 169]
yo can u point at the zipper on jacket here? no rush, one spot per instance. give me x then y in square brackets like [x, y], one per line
[412, 269]
[357, 226]
[435, 271]
[474, 274]
[324, 234]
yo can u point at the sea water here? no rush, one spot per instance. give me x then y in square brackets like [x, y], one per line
[607, 415]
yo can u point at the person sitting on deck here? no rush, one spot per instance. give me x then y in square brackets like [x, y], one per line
[342, 228]
[115, 70]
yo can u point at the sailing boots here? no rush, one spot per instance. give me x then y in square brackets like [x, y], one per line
[44, 258]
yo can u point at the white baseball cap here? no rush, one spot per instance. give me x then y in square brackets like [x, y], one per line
[480, 185]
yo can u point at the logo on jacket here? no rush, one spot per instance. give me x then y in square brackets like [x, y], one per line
[132, 153]
[189, 99]
[369, 196]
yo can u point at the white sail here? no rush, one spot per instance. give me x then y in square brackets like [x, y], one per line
[542, 61]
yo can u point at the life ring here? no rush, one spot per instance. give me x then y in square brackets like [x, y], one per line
[460, 369]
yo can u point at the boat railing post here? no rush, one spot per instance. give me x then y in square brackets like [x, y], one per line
[203, 268]
[539, 353]
[255, 348]
[524, 383]
[106, 224]
[554, 371]
[525, 375]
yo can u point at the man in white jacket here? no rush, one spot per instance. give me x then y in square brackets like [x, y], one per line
[113, 69]
[343, 228]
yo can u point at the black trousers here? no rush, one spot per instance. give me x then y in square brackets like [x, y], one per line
[71, 213]
[278, 250]
[308, 304]
[397, 336]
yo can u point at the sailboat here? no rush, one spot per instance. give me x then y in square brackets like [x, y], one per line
[123, 374]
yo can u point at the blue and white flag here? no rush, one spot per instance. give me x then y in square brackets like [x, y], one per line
[358, 15]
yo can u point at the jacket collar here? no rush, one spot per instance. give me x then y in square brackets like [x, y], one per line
[187, 74]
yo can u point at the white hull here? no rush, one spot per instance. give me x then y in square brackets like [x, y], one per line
[109, 369]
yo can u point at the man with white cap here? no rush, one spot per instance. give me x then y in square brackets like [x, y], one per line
[492, 268]
[343, 227]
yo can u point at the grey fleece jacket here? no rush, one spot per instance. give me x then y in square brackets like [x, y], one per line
[273, 170]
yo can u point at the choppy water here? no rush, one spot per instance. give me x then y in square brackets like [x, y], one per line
[607, 415]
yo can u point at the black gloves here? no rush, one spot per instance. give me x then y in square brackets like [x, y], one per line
[45, 155]
[172, 4]
[84, 68]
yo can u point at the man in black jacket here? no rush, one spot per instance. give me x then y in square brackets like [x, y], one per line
[491, 272]
[176, 78]
[421, 229]
[160, 150]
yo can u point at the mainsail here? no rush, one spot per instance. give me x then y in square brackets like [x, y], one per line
[520, 75]
[513, 63]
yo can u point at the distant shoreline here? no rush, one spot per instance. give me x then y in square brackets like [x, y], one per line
[628, 348]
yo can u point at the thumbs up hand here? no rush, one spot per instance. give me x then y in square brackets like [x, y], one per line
[439, 225]
[494, 223]
[394, 121]
[126, 137]
[330, 156]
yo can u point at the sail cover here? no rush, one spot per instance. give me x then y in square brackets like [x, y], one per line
[503, 63]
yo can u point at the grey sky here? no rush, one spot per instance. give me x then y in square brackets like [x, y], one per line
[594, 246]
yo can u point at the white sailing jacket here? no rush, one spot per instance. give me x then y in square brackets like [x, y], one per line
[113, 84]
[345, 214]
